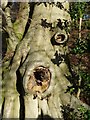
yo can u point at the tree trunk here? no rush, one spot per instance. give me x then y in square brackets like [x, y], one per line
[80, 24]
[34, 68]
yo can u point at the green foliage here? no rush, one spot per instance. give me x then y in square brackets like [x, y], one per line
[85, 85]
[80, 47]
[70, 113]
[72, 90]
[77, 9]
[85, 114]
[86, 24]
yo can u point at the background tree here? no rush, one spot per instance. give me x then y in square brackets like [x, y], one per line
[77, 11]
[35, 64]
[78, 49]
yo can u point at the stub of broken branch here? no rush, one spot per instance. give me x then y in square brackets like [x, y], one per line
[39, 81]
[60, 38]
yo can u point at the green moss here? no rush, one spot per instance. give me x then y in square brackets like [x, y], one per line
[16, 29]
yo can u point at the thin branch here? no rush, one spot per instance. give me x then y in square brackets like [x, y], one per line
[13, 40]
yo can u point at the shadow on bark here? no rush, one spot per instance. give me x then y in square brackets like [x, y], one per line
[2, 110]
[21, 91]
[32, 5]
[68, 112]
[45, 117]
[58, 58]
[4, 43]
[22, 108]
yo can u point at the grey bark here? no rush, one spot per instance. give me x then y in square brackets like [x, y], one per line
[38, 47]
